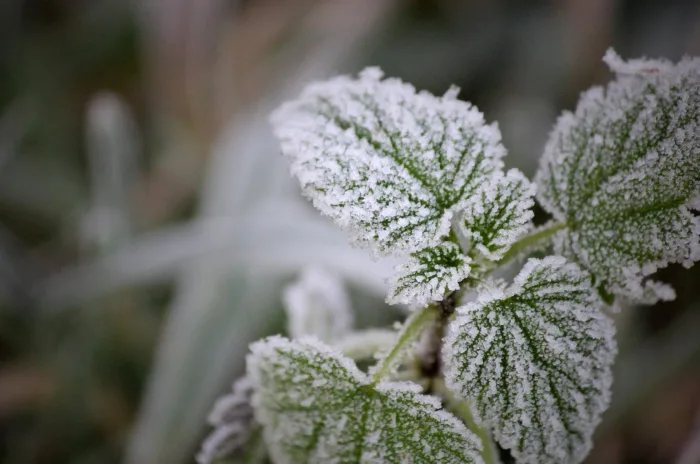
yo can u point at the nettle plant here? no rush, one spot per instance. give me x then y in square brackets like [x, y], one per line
[478, 361]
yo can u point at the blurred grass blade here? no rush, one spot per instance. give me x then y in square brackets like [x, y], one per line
[223, 304]
[252, 241]
[112, 148]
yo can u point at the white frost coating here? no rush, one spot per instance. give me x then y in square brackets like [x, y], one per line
[316, 406]
[694, 204]
[657, 291]
[622, 171]
[498, 215]
[388, 163]
[636, 66]
[535, 361]
[653, 293]
[232, 417]
[317, 304]
[428, 275]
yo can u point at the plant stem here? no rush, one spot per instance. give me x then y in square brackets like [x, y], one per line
[364, 344]
[462, 410]
[488, 451]
[530, 240]
[430, 360]
[411, 331]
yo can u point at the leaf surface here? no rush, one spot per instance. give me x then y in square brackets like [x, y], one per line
[498, 215]
[428, 274]
[390, 164]
[535, 361]
[316, 406]
[622, 173]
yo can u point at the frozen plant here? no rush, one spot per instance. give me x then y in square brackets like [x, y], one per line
[524, 365]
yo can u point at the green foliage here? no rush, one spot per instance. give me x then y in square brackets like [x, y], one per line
[497, 216]
[420, 177]
[390, 164]
[535, 360]
[622, 173]
[429, 274]
[317, 407]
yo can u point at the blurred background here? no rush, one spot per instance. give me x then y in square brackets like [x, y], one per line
[148, 225]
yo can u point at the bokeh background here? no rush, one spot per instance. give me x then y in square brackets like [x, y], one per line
[148, 225]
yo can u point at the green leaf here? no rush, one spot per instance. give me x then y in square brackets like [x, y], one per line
[622, 173]
[316, 406]
[428, 274]
[498, 215]
[385, 162]
[535, 361]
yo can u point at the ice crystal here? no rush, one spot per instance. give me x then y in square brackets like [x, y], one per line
[429, 274]
[316, 406]
[498, 215]
[535, 361]
[623, 171]
[232, 417]
[388, 163]
[317, 304]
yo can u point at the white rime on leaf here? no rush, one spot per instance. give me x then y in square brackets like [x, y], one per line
[622, 171]
[317, 304]
[232, 417]
[428, 274]
[385, 162]
[316, 406]
[498, 214]
[652, 292]
[535, 361]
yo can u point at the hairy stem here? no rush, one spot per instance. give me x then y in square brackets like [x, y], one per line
[530, 240]
[411, 331]
[430, 360]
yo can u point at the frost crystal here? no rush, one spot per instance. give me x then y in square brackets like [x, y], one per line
[622, 172]
[428, 275]
[317, 304]
[498, 214]
[232, 417]
[390, 164]
[535, 361]
[316, 406]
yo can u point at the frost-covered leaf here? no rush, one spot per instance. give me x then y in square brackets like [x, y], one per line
[316, 406]
[535, 361]
[390, 164]
[428, 274]
[498, 214]
[233, 421]
[622, 172]
[538, 240]
[318, 305]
